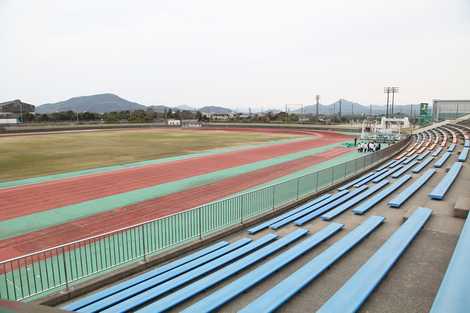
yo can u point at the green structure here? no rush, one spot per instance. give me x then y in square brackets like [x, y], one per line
[425, 114]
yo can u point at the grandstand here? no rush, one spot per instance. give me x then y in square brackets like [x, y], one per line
[377, 239]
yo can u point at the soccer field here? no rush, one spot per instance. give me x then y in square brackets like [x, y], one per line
[26, 156]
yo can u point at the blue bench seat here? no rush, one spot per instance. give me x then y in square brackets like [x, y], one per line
[443, 159]
[422, 165]
[298, 209]
[314, 207]
[279, 294]
[404, 169]
[452, 295]
[439, 192]
[463, 155]
[166, 303]
[350, 297]
[350, 203]
[128, 297]
[355, 181]
[329, 206]
[451, 147]
[423, 155]
[368, 204]
[436, 152]
[223, 295]
[189, 261]
[408, 192]
[386, 174]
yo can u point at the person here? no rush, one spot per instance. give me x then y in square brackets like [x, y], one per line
[355, 141]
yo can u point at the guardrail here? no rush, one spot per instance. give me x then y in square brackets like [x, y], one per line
[42, 272]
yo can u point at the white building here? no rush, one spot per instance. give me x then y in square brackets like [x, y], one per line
[449, 109]
[173, 122]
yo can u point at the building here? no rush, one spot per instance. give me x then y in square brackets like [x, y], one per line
[449, 109]
[16, 107]
[173, 122]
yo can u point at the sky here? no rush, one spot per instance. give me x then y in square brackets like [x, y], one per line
[246, 53]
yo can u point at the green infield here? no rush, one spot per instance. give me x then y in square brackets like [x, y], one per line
[26, 156]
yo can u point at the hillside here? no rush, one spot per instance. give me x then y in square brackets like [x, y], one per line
[215, 109]
[100, 103]
[349, 107]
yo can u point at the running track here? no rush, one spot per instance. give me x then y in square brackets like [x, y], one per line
[152, 209]
[24, 200]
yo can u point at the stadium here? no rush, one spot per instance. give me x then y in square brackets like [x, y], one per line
[236, 219]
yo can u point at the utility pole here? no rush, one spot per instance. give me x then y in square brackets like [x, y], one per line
[317, 97]
[340, 104]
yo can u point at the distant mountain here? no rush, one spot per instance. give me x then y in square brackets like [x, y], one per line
[184, 107]
[215, 109]
[349, 108]
[100, 103]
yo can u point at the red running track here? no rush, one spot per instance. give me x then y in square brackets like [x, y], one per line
[25, 200]
[155, 208]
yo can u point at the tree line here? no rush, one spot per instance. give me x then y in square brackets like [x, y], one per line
[138, 116]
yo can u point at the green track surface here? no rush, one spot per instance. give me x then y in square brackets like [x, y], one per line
[40, 220]
[48, 178]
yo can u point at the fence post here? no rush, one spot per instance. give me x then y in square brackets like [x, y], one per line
[200, 222]
[274, 195]
[316, 182]
[65, 269]
[242, 196]
[298, 181]
[143, 243]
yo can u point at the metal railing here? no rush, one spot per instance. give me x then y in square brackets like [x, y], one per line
[41, 272]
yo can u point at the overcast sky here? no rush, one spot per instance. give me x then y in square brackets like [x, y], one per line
[244, 53]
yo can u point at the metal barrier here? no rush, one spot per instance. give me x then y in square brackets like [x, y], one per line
[39, 273]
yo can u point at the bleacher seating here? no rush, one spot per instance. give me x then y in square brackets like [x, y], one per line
[411, 158]
[452, 295]
[385, 165]
[451, 147]
[467, 143]
[355, 181]
[300, 208]
[443, 159]
[463, 155]
[314, 207]
[422, 165]
[408, 192]
[130, 296]
[192, 260]
[368, 204]
[167, 302]
[350, 203]
[213, 301]
[438, 193]
[386, 174]
[294, 283]
[404, 169]
[370, 178]
[350, 297]
[436, 152]
[329, 206]
[423, 155]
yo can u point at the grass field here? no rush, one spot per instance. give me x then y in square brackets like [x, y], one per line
[27, 156]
